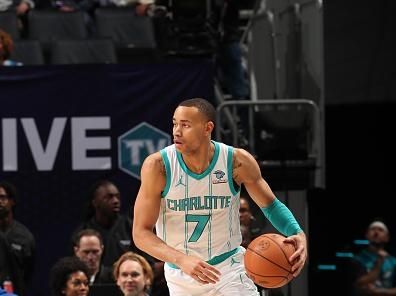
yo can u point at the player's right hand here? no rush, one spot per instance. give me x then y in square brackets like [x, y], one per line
[199, 270]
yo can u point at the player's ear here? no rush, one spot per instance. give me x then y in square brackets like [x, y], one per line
[209, 127]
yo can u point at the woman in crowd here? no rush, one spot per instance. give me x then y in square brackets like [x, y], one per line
[69, 277]
[6, 48]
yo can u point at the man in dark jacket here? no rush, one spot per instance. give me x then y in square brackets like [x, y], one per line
[104, 216]
[17, 244]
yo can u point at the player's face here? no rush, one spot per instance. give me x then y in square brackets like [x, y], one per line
[131, 278]
[107, 200]
[77, 285]
[190, 129]
[90, 252]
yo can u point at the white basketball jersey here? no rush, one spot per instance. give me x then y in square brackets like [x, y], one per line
[199, 213]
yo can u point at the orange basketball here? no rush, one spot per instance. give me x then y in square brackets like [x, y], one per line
[266, 260]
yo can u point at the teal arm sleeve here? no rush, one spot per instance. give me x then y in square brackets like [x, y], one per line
[281, 218]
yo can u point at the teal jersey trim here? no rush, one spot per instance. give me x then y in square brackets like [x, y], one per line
[167, 171]
[164, 224]
[185, 220]
[230, 211]
[230, 154]
[210, 220]
[215, 260]
[207, 171]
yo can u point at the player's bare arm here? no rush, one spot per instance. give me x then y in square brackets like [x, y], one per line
[247, 171]
[146, 212]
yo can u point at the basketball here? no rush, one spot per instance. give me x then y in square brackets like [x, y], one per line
[266, 260]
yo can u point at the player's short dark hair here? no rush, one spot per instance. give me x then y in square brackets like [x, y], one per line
[203, 106]
[61, 272]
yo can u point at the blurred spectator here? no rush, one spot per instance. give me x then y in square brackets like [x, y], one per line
[17, 243]
[230, 53]
[21, 8]
[88, 247]
[251, 229]
[5, 293]
[104, 216]
[248, 220]
[133, 274]
[246, 236]
[69, 277]
[159, 286]
[230, 71]
[6, 48]
[375, 271]
[141, 7]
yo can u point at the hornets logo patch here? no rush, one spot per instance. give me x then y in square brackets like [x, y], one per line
[219, 177]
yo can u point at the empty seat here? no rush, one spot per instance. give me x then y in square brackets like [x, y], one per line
[92, 51]
[9, 23]
[125, 28]
[29, 52]
[47, 26]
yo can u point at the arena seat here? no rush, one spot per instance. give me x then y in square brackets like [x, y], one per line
[9, 23]
[125, 28]
[47, 26]
[90, 51]
[29, 52]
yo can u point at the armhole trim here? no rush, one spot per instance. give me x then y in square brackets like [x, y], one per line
[167, 172]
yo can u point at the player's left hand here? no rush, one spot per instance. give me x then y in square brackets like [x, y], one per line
[299, 257]
[199, 270]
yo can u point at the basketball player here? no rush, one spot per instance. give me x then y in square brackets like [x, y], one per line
[190, 192]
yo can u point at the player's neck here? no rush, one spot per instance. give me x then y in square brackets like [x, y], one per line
[200, 161]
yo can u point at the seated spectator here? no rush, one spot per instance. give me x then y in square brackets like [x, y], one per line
[133, 274]
[6, 48]
[69, 277]
[159, 286]
[246, 236]
[251, 229]
[88, 247]
[21, 8]
[248, 220]
[104, 216]
[141, 7]
[17, 243]
[375, 269]
[5, 293]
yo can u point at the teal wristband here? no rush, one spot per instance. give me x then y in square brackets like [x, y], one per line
[281, 218]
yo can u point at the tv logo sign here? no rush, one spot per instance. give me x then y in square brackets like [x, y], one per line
[136, 144]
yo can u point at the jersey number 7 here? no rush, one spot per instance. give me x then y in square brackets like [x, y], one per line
[201, 220]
